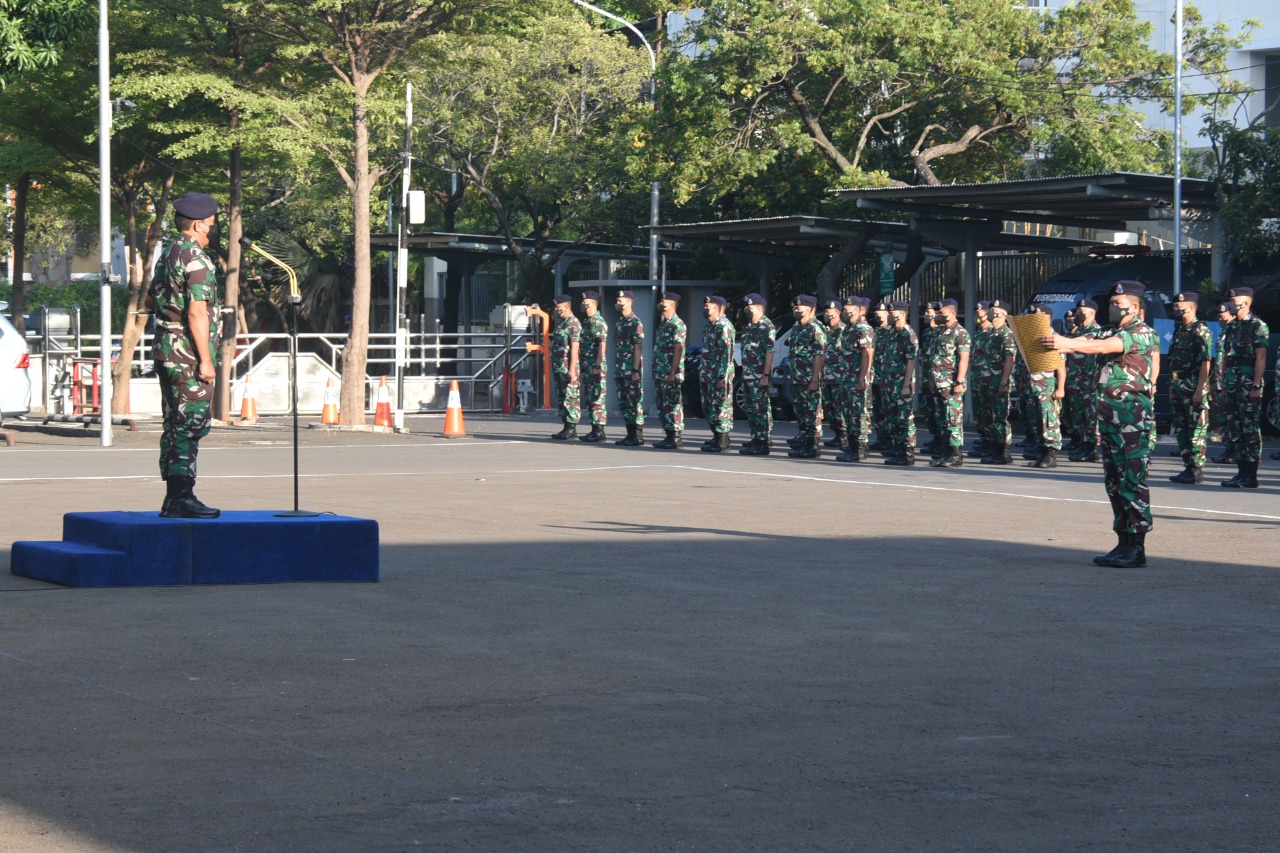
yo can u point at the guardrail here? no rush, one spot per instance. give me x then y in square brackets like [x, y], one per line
[486, 364]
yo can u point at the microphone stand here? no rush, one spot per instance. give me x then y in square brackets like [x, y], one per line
[295, 297]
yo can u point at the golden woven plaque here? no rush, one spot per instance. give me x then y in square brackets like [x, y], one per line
[1028, 329]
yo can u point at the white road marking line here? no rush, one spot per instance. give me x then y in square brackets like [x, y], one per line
[274, 445]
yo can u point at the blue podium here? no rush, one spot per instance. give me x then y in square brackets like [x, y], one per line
[142, 549]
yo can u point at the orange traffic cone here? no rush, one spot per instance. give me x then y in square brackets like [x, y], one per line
[329, 414]
[453, 427]
[248, 403]
[382, 414]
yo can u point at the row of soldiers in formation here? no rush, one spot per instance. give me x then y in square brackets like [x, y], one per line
[855, 365]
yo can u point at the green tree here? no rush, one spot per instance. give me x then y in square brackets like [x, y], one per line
[909, 91]
[33, 33]
[539, 121]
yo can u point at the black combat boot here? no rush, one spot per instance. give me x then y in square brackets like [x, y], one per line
[679, 439]
[714, 445]
[1249, 477]
[185, 504]
[954, 459]
[1191, 476]
[596, 434]
[1234, 482]
[999, 455]
[906, 456]
[1105, 559]
[667, 443]
[1224, 458]
[808, 448]
[981, 448]
[1071, 446]
[569, 431]
[749, 449]
[1033, 452]
[795, 441]
[628, 439]
[840, 439]
[1132, 553]
[847, 456]
[1048, 459]
[639, 436]
[170, 492]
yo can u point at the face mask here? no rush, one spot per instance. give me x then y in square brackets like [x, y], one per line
[798, 314]
[850, 319]
[899, 321]
[619, 305]
[1236, 309]
[706, 312]
[940, 320]
[875, 321]
[1116, 314]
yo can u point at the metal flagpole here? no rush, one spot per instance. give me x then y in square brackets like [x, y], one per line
[1177, 149]
[104, 219]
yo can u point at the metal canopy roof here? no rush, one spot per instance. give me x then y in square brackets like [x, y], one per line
[1106, 201]
[490, 244]
[802, 234]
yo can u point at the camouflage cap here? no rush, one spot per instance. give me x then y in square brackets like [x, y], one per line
[753, 299]
[1189, 296]
[195, 205]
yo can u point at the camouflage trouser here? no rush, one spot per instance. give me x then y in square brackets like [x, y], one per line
[1123, 427]
[1218, 415]
[986, 401]
[631, 400]
[951, 407]
[1026, 407]
[857, 413]
[883, 406]
[934, 418]
[755, 403]
[670, 404]
[1241, 417]
[832, 410]
[1190, 422]
[594, 394]
[184, 402]
[902, 420]
[567, 398]
[1083, 412]
[717, 404]
[1043, 412]
[808, 406]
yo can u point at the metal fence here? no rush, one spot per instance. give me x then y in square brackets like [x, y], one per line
[1012, 278]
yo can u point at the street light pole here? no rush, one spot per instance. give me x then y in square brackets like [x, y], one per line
[1177, 148]
[653, 101]
[402, 258]
[104, 220]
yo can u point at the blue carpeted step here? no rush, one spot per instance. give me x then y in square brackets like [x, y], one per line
[142, 549]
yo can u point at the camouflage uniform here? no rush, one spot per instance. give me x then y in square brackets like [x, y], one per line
[881, 399]
[1043, 409]
[832, 405]
[1242, 417]
[1082, 390]
[563, 334]
[668, 350]
[931, 404]
[1192, 346]
[595, 335]
[186, 275]
[948, 343]
[1218, 395]
[1124, 416]
[856, 340]
[903, 346]
[990, 405]
[716, 375]
[808, 341]
[757, 342]
[629, 334]
[1022, 397]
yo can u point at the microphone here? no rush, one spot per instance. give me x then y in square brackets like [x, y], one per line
[246, 242]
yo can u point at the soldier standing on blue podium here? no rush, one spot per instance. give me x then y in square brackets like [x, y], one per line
[184, 296]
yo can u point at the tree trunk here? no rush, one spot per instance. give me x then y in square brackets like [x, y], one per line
[829, 276]
[355, 355]
[452, 309]
[914, 259]
[18, 307]
[235, 229]
[134, 323]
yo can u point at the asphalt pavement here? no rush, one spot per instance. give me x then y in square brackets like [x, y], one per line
[579, 647]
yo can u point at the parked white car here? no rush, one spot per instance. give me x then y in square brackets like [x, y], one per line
[15, 381]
